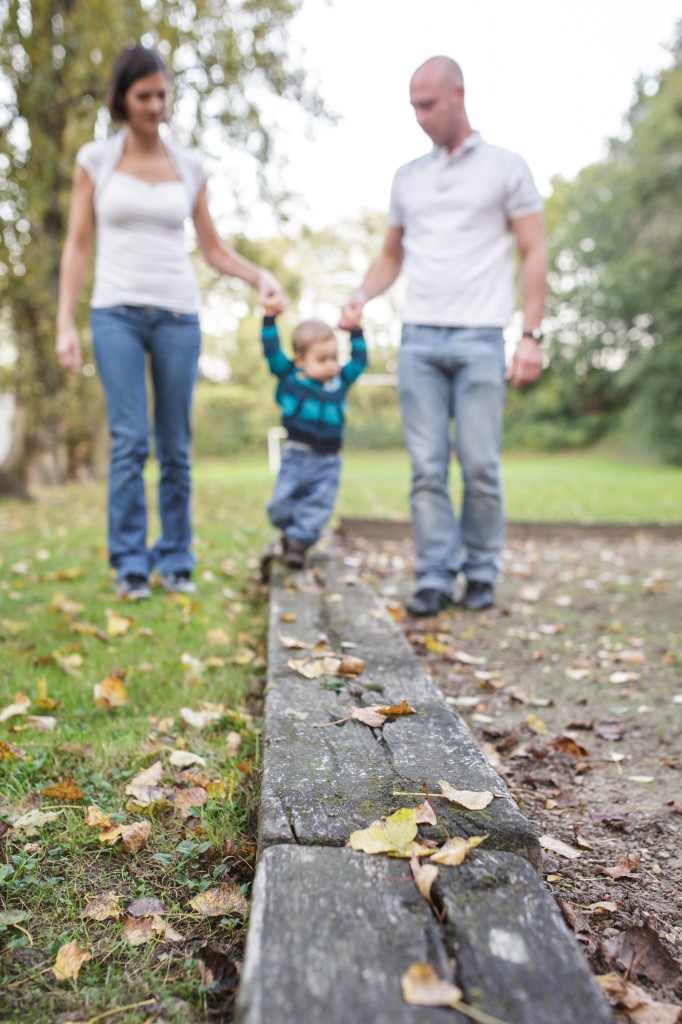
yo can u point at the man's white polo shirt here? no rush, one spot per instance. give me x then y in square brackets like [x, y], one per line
[455, 211]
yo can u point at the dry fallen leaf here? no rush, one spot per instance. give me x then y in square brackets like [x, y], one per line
[368, 716]
[118, 625]
[185, 758]
[234, 742]
[69, 961]
[226, 899]
[187, 799]
[104, 906]
[32, 822]
[96, 818]
[536, 725]
[137, 932]
[421, 986]
[62, 603]
[471, 799]
[454, 850]
[426, 814]
[351, 666]
[144, 788]
[43, 723]
[639, 1005]
[627, 867]
[67, 791]
[199, 719]
[402, 708]
[111, 693]
[394, 835]
[557, 846]
[424, 876]
[133, 836]
[20, 706]
[146, 906]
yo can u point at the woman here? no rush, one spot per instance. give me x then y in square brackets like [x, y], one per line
[137, 189]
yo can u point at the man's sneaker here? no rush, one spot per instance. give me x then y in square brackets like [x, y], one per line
[478, 596]
[133, 587]
[294, 552]
[178, 582]
[427, 602]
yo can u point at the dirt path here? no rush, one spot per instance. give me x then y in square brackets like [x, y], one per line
[573, 687]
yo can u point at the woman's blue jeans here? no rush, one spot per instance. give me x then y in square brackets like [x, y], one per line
[125, 338]
[448, 374]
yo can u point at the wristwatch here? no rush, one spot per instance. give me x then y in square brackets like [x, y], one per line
[536, 334]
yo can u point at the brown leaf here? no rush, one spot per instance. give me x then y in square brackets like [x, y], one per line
[187, 799]
[640, 951]
[226, 899]
[137, 932]
[8, 752]
[219, 973]
[136, 836]
[67, 790]
[144, 788]
[609, 728]
[627, 867]
[403, 708]
[568, 745]
[69, 961]
[424, 876]
[104, 906]
[421, 986]
[146, 906]
[234, 742]
[638, 1004]
[351, 666]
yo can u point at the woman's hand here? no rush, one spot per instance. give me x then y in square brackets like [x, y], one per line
[271, 294]
[68, 349]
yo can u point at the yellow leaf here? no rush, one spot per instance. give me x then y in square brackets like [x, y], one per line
[434, 646]
[217, 788]
[219, 636]
[8, 752]
[393, 835]
[13, 627]
[536, 724]
[110, 693]
[62, 603]
[69, 961]
[111, 835]
[454, 850]
[67, 790]
[226, 899]
[118, 625]
[421, 986]
[32, 822]
[96, 819]
[19, 707]
[471, 799]
[104, 906]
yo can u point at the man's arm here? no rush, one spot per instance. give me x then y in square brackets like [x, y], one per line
[380, 276]
[529, 232]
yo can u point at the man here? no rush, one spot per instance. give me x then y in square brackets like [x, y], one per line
[454, 217]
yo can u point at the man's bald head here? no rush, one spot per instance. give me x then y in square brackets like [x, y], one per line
[444, 69]
[437, 95]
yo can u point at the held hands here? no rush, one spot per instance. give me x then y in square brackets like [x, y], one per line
[271, 294]
[526, 363]
[68, 349]
[351, 312]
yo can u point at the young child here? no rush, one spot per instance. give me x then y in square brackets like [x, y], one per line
[311, 391]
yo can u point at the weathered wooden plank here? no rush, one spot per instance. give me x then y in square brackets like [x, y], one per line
[332, 932]
[319, 784]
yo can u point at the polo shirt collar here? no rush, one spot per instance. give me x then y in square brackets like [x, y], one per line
[471, 142]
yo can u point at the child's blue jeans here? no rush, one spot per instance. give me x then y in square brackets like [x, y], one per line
[305, 492]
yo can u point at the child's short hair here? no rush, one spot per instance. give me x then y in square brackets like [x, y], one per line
[308, 332]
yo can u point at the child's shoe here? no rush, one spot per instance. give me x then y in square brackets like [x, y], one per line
[294, 552]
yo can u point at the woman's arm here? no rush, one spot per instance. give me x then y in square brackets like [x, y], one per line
[74, 263]
[227, 261]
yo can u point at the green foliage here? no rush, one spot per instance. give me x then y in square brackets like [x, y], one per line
[616, 244]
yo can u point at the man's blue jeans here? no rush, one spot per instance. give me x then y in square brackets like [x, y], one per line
[305, 492]
[455, 374]
[123, 338]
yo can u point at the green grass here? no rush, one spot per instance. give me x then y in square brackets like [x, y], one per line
[579, 487]
[54, 549]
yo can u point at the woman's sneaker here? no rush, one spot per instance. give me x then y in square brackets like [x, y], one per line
[178, 582]
[133, 587]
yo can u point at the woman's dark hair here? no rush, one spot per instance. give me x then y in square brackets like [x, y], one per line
[132, 63]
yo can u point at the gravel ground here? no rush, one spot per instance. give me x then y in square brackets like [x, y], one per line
[572, 685]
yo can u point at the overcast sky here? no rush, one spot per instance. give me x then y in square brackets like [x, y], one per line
[549, 78]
